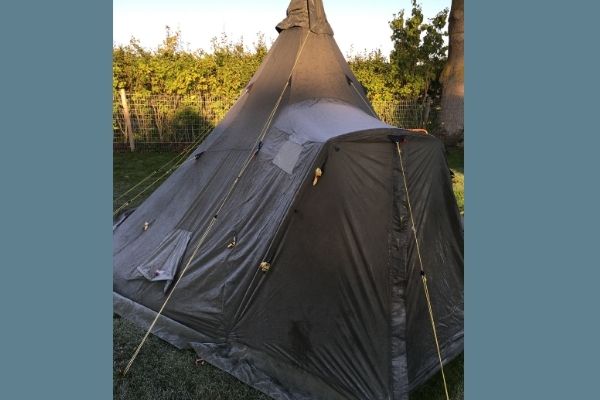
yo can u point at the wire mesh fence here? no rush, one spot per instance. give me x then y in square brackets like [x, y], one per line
[170, 122]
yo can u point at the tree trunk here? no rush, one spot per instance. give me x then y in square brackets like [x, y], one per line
[452, 78]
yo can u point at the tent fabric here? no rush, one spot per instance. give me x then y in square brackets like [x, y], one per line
[306, 14]
[317, 120]
[287, 156]
[340, 313]
[162, 263]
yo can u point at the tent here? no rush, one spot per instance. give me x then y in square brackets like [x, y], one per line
[283, 249]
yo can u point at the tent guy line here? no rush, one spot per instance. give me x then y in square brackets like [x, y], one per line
[287, 83]
[423, 275]
[176, 164]
[369, 107]
[225, 198]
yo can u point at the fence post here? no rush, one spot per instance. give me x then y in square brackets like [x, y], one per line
[128, 129]
[426, 112]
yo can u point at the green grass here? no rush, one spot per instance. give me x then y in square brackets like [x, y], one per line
[131, 168]
[162, 372]
[456, 162]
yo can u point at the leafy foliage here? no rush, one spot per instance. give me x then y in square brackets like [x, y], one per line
[419, 52]
[412, 69]
[183, 91]
[172, 70]
[374, 72]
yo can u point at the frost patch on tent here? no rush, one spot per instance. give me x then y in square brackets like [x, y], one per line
[162, 263]
[287, 156]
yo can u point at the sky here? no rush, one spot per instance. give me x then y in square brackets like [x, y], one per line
[357, 25]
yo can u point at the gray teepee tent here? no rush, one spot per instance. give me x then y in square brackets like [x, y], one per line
[283, 250]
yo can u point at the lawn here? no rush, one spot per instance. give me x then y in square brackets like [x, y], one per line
[161, 371]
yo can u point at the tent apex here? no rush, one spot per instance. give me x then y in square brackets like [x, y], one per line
[306, 14]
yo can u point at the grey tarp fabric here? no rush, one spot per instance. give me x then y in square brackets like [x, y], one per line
[341, 313]
[162, 263]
